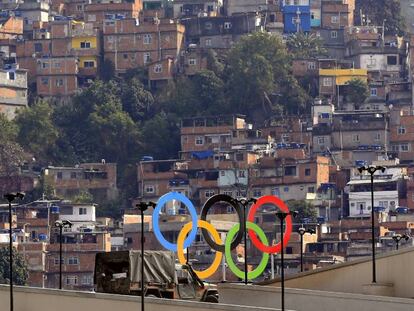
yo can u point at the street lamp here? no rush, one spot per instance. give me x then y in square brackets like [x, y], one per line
[282, 216]
[245, 203]
[10, 197]
[143, 206]
[302, 232]
[397, 238]
[61, 224]
[371, 170]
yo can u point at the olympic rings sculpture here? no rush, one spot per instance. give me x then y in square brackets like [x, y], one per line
[188, 233]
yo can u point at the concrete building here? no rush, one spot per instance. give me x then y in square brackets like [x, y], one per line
[296, 15]
[389, 191]
[98, 12]
[233, 7]
[128, 45]
[13, 90]
[33, 11]
[337, 14]
[98, 178]
[194, 8]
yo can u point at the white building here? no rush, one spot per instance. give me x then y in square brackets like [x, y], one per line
[82, 216]
[388, 188]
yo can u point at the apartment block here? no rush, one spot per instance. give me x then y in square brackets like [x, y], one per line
[98, 12]
[337, 14]
[97, 178]
[10, 27]
[192, 8]
[13, 91]
[57, 76]
[128, 45]
[401, 138]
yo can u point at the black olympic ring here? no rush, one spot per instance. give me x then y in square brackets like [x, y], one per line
[209, 203]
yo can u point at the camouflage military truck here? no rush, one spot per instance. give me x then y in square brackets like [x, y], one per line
[120, 273]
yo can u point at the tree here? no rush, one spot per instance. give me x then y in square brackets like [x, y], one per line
[257, 67]
[83, 197]
[161, 136]
[305, 210]
[303, 45]
[107, 70]
[136, 100]
[356, 91]
[378, 11]
[20, 272]
[37, 133]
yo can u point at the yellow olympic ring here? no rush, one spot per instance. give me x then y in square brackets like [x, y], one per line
[180, 249]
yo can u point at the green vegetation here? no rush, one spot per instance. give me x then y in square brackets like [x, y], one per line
[304, 209]
[20, 272]
[118, 119]
[303, 46]
[379, 11]
[356, 91]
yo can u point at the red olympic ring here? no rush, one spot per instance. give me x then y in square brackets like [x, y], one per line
[288, 228]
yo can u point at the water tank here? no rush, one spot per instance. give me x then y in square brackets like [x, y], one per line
[42, 237]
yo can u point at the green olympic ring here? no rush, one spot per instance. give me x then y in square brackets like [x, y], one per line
[265, 258]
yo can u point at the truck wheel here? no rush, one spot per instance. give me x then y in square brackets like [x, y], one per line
[212, 299]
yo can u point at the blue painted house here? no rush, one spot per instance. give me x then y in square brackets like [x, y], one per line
[296, 15]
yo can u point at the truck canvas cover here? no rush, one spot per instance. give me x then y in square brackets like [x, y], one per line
[159, 267]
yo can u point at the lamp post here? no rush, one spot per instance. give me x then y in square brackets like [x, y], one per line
[282, 216]
[10, 197]
[61, 224]
[397, 238]
[143, 206]
[245, 203]
[302, 232]
[371, 170]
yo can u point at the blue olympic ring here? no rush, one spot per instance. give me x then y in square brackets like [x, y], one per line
[155, 219]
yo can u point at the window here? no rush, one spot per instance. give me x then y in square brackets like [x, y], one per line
[377, 136]
[392, 60]
[229, 193]
[59, 82]
[45, 65]
[38, 47]
[405, 147]
[125, 56]
[11, 75]
[192, 61]
[72, 280]
[82, 211]
[311, 65]
[286, 189]
[73, 261]
[56, 261]
[373, 91]
[208, 25]
[383, 204]
[85, 45]
[79, 7]
[275, 191]
[208, 42]
[227, 25]
[210, 8]
[149, 189]
[290, 171]
[44, 81]
[158, 68]
[222, 173]
[334, 34]
[395, 148]
[59, 175]
[355, 137]
[334, 19]
[239, 157]
[73, 175]
[87, 280]
[147, 58]
[327, 81]
[209, 193]
[307, 172]
[375, 107]
[401, 130]
[311, 189]
[88, 64]
[242, 174]
[321, 140]
[57, 64]
[257, 193]
[199, 140]
[147, 38]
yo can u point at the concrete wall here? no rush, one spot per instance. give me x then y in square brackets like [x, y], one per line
[304, 300]
[392, 268]
[32, 299]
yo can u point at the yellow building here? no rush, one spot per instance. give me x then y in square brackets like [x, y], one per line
[342, 76]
